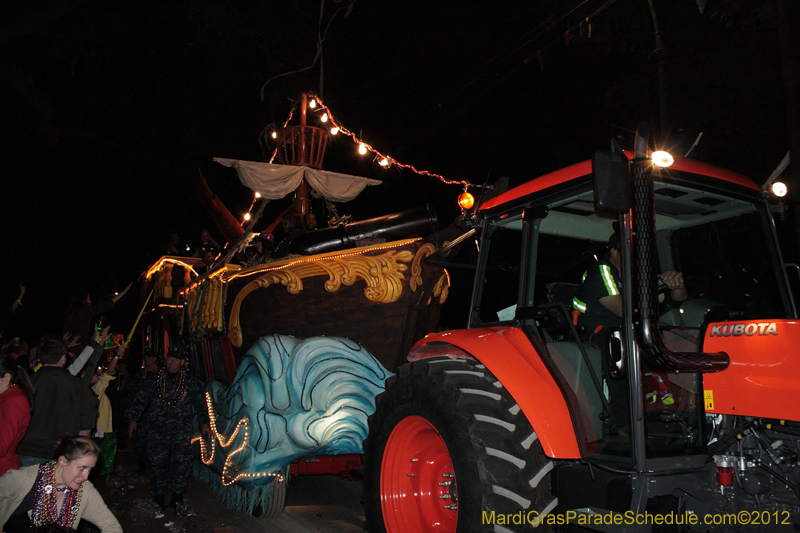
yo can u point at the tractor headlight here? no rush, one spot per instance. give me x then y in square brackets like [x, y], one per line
[662, 159]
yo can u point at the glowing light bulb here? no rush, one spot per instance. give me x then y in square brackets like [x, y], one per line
[324, 117]
[362, 149]
[312, 104]
[334, 130]
[384, 162]
[258, 195]
[247, 216]
[662, 159]
[274, 134]
[779, 189]
[466, 200]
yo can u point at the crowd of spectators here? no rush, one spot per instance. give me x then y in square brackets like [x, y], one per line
[65, 406]
[68, 400]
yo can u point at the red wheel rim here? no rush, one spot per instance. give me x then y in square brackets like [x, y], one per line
[418, 485]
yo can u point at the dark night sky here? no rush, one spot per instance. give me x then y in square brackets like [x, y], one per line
[106, 109]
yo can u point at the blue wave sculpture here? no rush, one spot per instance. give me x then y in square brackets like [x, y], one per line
[291, 399]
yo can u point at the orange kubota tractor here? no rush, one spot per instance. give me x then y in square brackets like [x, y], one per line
[683, 418]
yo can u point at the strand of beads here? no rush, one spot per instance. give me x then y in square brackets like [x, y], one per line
[45, 499]
[176, 394]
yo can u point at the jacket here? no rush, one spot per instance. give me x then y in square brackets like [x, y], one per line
[62, 404]
[15, 412]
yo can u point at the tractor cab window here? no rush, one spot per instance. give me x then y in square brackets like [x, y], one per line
[531, 267]
[498, 291]
[459, 259]
[728, 264]
[569, 239]
[720, 244]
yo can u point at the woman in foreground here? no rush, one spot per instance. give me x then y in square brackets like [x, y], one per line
[56, 492]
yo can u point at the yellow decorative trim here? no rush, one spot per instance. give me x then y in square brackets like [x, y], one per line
[442, 287]
[167, 260]
[416, 266]
[212, 315]
[383, 275]
[286, 263]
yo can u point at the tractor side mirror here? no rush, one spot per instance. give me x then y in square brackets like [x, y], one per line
[612, 181]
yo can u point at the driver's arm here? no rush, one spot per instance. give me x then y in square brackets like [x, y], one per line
[613, 303]
[677, 288]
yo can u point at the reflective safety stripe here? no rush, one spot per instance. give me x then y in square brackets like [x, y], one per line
[608, 280]
[579, 305]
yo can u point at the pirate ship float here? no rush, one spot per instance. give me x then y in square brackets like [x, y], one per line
[296, 349]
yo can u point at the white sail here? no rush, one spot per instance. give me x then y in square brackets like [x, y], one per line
[277, 181]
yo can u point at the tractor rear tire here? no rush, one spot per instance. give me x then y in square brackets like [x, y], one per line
[449, 450]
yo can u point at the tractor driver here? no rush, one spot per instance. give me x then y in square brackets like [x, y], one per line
[598, 303]
[599, 298]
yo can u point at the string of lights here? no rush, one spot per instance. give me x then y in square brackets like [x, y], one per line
[364, 147]
[335, 128]
[207, 456]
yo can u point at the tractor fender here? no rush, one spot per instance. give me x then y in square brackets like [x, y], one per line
[509, 355]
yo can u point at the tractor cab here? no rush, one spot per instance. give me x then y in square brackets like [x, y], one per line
[710, 225]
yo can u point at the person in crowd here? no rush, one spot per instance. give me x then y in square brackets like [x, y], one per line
[148, 372]
[310, 221]
[265, 247]
[80, 312]
[4, 320]
[206, 243]
[56, 492]
[105, 415]
[170, 397]
[62, 404]
[33, 360]
[247, 257]
[19, 350]
[16, 406]
[90, 354]
[117, 394]
[102, 377]
[291, 227]
[173, 245]
[209, 257]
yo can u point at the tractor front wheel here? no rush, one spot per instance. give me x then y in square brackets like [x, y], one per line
[448, 451]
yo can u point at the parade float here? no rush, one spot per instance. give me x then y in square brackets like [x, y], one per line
[296, 349]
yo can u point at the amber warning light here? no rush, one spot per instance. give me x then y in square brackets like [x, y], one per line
[466, 200]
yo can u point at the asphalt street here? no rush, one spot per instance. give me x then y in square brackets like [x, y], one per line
[314, 504]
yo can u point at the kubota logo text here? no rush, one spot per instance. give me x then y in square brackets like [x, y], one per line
[753, 328]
